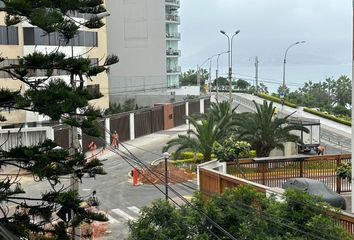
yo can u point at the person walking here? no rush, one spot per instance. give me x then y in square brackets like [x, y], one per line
[115, 140]
[320, 150]
[92, 147]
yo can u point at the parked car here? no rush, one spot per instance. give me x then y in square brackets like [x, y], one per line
[316, 188]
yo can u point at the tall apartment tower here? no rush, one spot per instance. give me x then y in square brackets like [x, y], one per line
[22, 39]
[144, 34]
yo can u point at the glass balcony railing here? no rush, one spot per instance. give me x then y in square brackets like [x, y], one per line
[173, 52]
[173, 2]
[174, 69]
[173, 36]
[172, 18]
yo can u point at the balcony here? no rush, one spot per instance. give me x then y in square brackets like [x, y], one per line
[175, 3]
[173, 53]
[173, 70]
[173, 36]
[172, 18]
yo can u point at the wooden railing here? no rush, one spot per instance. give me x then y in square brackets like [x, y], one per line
[273, 174]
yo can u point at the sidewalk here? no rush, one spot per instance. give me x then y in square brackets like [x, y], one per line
[158, 137]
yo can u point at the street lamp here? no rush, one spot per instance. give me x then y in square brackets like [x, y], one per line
[230, 60]
[166, 155]
[217, 75]
[286, 53]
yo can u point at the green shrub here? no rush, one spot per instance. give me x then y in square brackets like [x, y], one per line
[344, 171]
[330, 117]
[231, 149]
[178, 162]
[186, 156]
[276, 99]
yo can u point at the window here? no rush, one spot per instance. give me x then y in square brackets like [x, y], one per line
[36, 36]
[8, 35]
[93, 89]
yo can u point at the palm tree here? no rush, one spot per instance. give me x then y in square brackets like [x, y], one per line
[264, 132]
[220, 109]
[201, 139]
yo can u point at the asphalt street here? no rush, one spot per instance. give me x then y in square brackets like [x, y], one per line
[333, 141]
[115, 191]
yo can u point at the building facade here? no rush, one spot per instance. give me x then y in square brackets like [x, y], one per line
[22, 39]
[144, 34]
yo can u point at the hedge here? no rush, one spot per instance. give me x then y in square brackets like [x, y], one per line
[276, 99]
[330, 117]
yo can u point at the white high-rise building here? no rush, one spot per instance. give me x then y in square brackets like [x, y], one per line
[144, 34]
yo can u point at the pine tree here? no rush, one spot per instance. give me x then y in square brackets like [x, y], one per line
[59, 100]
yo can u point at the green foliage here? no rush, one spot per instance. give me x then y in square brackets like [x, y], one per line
[211, 127]
[231, 149]
[242, 85]
[276, 99]
[331, 95]
[189, 78]
[244, 213]
[263, 131]
[221, 81]
[128, 105]
[330, 117]
[187, 155]
[44, 92]
[344, 171]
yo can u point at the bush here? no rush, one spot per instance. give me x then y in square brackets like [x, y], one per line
[276, 99]
[231, 149]
[344, 171]
[330, 117]
[187, 156]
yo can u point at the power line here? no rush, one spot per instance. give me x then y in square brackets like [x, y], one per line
[141, 163]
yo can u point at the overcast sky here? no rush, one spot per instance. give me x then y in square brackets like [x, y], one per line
[268, 27]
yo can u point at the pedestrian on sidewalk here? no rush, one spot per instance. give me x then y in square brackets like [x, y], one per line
[320, 150]
[115, 140]
[92, 147]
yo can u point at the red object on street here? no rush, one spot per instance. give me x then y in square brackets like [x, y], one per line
[135, 177]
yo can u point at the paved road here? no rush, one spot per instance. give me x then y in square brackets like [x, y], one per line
[334, 141]
[115, 191]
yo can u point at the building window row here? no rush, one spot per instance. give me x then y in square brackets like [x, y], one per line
[8, 35]
[38, 72]
[37, 36]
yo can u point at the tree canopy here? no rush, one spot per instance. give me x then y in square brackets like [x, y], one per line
[59, 100]
[244, 213]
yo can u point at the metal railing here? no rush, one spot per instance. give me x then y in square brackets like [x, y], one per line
[174, 70]
[176, 2]
[173, 35]
[173, 52]
[172, 18]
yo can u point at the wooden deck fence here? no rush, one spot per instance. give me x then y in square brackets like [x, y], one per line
[273, 173]
[267, 177]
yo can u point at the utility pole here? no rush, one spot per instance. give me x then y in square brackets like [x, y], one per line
[198, 77]
[210, 62]
[256, 77]
[166, 155]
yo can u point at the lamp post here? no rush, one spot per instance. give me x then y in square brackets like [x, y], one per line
[217, 74]
[166, 155]
[230, 60]
[286, 53]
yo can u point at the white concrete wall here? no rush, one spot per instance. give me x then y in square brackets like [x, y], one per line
[137, 34]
